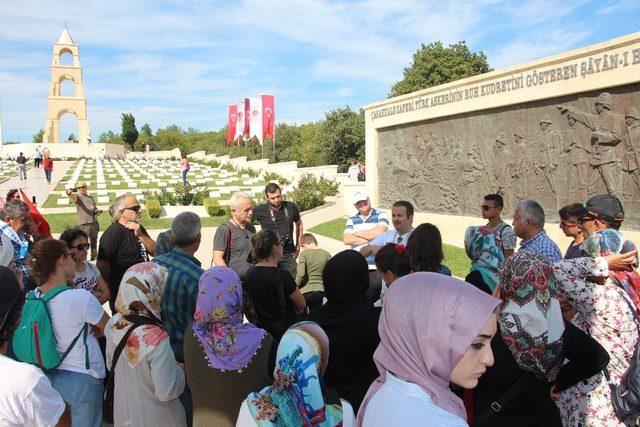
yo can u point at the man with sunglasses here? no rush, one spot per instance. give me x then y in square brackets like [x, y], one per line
[601, 212]
[123, 244]
[492, 206]
[87, 214]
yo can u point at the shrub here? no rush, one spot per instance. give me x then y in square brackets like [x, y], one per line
[212, 207]
[228, 166]
[306, 199]
[311, 191]
[273, 176]
[251, 172]
[182, 195]
[153, 207]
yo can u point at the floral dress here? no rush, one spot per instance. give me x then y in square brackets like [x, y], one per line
[603, 313]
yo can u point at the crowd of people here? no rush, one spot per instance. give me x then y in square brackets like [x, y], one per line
[280, 332]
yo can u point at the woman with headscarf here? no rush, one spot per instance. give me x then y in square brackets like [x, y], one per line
[297, 396]
[351, 323]
[530, 348]
[434, 330]
[484, 249]
[148, 380]
[225, 358]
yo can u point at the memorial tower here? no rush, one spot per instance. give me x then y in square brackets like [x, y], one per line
[57, 104]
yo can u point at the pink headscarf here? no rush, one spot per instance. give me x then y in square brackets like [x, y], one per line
[428, 322]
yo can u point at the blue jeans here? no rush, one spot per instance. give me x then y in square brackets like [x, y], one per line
[83, 393]
[47, 174]
[184, 177]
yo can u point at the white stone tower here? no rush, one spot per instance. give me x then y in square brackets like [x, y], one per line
[58, 105]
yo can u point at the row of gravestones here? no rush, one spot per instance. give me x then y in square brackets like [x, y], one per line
[162, 174]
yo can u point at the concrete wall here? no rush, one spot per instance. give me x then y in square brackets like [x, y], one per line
[63, 150]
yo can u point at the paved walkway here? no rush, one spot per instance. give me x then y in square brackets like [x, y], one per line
[36, 184]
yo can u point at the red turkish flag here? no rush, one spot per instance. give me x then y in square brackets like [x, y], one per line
[233, 118]
[247, 115]
[38, 219]
[268, 116]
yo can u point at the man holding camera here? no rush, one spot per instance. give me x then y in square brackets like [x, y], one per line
[87, 214]
[280, 215]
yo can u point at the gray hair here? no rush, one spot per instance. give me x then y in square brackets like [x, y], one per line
[185, 229]
[531, 210]
[14, 209]
[118, 206]
[236, 197]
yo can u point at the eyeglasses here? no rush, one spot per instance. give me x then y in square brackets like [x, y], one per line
[487, 207]
[585, 219]
[564, 224]
[135, 208]
[81, 246]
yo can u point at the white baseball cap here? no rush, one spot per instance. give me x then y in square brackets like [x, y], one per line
[359, 196]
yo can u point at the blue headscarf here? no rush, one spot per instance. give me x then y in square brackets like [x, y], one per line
[296, 397]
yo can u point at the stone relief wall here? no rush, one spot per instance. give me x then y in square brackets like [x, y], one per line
[556, 151]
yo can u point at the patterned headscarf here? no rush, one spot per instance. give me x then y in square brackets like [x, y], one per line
[530, 320]
[484, 248]
[606, 242]
[140, 294]
[227, 342]
[296, 397]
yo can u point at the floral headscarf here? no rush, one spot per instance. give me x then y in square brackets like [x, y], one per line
[296, 397]
[606, 242]
[530, 320]
[484, 248]
[140, 294]
[227, 342]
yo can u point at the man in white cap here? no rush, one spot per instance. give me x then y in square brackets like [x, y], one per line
[360, 231]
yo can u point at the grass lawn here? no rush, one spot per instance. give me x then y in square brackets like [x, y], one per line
[59, 222]
[454, 257]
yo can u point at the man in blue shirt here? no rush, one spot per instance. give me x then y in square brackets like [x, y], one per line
[181, 290]
[528, 224]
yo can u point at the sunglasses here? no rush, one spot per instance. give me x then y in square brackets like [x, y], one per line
[81, 246]
[564, 224]
[487, 207]
[585, 219]
[135, 208]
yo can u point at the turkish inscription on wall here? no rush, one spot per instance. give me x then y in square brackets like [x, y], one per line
[578, 69]
[557, 151]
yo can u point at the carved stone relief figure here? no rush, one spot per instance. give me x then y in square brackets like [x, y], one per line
[520, 167]
[546, 162]
[631, 159]
[606, 133]
[502, 166]
[578, 146]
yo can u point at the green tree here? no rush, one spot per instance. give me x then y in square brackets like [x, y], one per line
[37, 138]
[129, 130]
[110, 137]
[434, 64]
[72, 138]
[341, 137]
[146, 130]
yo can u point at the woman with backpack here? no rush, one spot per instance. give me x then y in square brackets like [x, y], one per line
[75, 317]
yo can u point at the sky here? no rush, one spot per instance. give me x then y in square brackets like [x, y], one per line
[184, 61]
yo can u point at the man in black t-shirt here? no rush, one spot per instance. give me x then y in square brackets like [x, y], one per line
[123, 244]
[22, 166]
[280, 215]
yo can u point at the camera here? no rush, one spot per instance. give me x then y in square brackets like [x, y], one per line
[287, 240]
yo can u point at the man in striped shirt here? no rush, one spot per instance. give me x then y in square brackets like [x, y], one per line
[361, 230]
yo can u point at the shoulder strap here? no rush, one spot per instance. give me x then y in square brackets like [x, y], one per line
[498, 404]
[137, 321]
[227, 252]
[55, 291]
